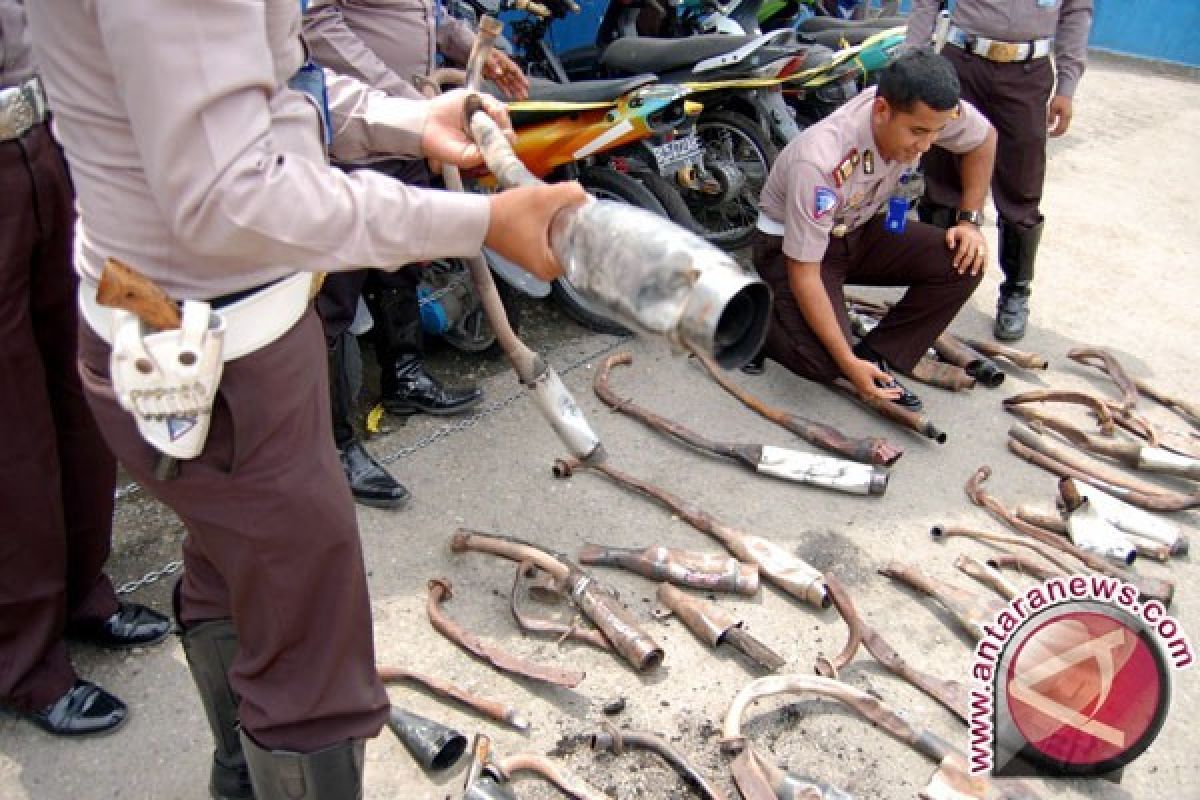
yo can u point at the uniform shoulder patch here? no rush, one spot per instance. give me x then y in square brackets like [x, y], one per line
[845, 168]
[825, 200]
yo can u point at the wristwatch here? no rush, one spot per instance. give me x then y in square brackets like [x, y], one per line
[973, 217]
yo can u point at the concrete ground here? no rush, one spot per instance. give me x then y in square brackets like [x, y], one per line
[1118, 270]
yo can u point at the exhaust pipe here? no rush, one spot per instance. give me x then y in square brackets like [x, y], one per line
[1090, 530]
[1134, 521]
[432, 744]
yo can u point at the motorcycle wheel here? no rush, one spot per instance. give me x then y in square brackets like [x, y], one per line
[607, 184]
[474, 334]
[668, 195]
[735, 151]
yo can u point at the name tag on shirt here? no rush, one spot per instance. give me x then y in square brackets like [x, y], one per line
[1047, 3]
[897, 215]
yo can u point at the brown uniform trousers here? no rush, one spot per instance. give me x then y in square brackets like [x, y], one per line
[56, 474]
[1013, 96]
[867, 256]
[272, 541]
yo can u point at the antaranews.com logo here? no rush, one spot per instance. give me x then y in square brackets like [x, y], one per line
[1072, 678]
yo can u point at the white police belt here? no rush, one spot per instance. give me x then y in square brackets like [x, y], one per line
[168, 379]
[995, 50]
[21, 107]
[768, 225]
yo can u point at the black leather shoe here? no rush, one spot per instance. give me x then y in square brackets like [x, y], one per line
[408, 389]
[907, 399]
[370, 483]
[84, 709]
[132, 625]
[756, 365]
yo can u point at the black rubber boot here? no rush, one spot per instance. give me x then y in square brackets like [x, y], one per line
[943, 217]
[209, 648]
[334, 773]
[405, 386]
[370, 483]
[1018, 251]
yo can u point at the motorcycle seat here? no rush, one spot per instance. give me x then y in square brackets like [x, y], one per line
[586, 91]
[644, 54]
[837, 38]
[814, 24]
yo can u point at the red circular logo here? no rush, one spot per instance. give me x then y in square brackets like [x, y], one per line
[1085, 688]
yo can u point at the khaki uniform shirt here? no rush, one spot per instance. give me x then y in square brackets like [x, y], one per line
[1068, 22]
[196, 164]
[832, 175]
[385, 43]
[16, 55]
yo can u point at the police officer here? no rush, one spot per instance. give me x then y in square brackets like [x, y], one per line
[1001, 51]
[385, 45]
[195, 162]
[819, 228]
[56, 473]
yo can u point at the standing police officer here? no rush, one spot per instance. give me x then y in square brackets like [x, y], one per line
[56, 473]
[819, 229]
[386, 44]
[196, 162]
[1001, 50]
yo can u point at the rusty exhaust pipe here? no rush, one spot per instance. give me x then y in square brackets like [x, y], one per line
[1054, 556]
[489, 708]
[1161, 590]
[498, 657]
[830, 473]
[708, 571]
[942, 375]
[1091, 531]
[791, 574]
[871, 450]
[1021, 358]
[978, 366]
[971, 610]
[531, 624]
[543, 767]
[951, 694]
[596, 602]
[716, 626]
[912, 420]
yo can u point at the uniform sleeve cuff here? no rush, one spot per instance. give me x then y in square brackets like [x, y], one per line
[471, 214]
[1065, 87]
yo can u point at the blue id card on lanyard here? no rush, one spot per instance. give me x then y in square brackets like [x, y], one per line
[897, 215]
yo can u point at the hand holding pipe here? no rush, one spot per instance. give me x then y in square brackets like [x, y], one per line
[872, 450]
[913, 420]
[554, 401]
[644, 270]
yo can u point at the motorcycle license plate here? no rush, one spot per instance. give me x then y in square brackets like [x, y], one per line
[676, 153]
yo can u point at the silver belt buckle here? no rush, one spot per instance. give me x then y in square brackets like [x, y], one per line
[20, 109]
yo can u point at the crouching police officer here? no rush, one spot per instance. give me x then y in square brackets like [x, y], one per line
[196, 163]
[818, 228]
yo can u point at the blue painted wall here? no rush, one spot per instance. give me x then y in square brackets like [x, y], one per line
[1164, 30]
